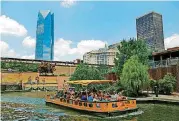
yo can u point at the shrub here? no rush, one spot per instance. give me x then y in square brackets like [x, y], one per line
[19, 66]
[166, 85]
[153, 83]
[62, 75]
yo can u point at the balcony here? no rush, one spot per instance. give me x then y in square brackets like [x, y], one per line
[164, 63]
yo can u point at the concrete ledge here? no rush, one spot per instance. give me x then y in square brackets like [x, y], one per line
[157, 101]
[9, 91]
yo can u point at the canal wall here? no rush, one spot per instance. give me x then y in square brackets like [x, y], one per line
[16, 81]
[66, 70]
[10, 87]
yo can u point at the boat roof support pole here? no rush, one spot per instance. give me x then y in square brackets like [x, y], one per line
[86, 92]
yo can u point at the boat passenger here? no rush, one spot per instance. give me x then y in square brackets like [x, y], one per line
[121, 97]
[59, 94]
[90, 97]
[77, 95]
[77, 98]
[114, 96]
[83, 97]
[104, 99]
[68, 95]
[95, 98]
[108, 97]
[65, 95]
[29, 80]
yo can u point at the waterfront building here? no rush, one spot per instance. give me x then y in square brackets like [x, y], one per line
[104, 55]
[45, 36]
[150, 28]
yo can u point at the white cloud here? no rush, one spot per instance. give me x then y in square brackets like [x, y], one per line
[64, 51]
[88, 45]
[172, 41]
[6, 51]
[28, 56]
[11, 27]
[67, 3]
[29, 42]
[62, 47]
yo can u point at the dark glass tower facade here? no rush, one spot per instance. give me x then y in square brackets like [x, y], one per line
[150, 28]
[45, 36]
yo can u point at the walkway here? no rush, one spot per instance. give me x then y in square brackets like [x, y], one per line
[165, 98]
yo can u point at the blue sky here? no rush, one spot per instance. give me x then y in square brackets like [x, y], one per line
[82, 23]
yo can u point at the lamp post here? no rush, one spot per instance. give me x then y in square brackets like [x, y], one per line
[156, 91]
[70, 70]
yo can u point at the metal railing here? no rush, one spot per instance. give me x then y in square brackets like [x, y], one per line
[164, 63]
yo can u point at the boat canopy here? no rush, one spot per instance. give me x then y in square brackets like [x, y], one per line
[87, 82]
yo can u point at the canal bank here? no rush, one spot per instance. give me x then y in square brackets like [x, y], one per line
[161, 99]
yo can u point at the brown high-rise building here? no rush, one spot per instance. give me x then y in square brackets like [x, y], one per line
[150, 28]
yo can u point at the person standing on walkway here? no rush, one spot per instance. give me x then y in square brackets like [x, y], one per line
[43, 82]
[29, 81]
[37, 80]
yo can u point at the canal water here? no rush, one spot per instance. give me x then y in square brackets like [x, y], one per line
[31, 106]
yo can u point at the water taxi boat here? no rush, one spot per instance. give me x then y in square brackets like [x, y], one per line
[107, 108]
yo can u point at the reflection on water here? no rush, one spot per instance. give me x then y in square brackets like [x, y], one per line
[31, 105]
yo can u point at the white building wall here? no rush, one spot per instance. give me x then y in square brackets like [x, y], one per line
[91, 57]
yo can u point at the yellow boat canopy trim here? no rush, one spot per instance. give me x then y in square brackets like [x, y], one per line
[86, 82]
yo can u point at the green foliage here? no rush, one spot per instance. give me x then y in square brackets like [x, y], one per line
[103, 69]
[84, 72]
[134, 76]
[166, 85]
[19, 66]
[3, 65]
[115, 87]
[112, 70]
[153, 83]
[62, 75]
[128, 49]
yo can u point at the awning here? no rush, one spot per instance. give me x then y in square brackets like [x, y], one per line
[87, 82]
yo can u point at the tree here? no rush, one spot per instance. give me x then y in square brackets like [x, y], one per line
[84, 72]
[3, 65]
[134, 76]
[103, 69]
[128, 49]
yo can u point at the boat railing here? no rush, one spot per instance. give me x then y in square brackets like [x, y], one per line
[104, 106]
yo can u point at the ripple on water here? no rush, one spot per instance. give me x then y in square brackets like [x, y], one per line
[34, 106]
[23, 100]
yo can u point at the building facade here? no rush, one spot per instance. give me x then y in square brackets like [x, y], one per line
[150, 28]
[103, 56]
[45, 36]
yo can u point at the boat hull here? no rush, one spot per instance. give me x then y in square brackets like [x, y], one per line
[101, 112]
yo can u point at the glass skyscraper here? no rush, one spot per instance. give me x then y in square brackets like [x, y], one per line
[150, 29]
[45, 36]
